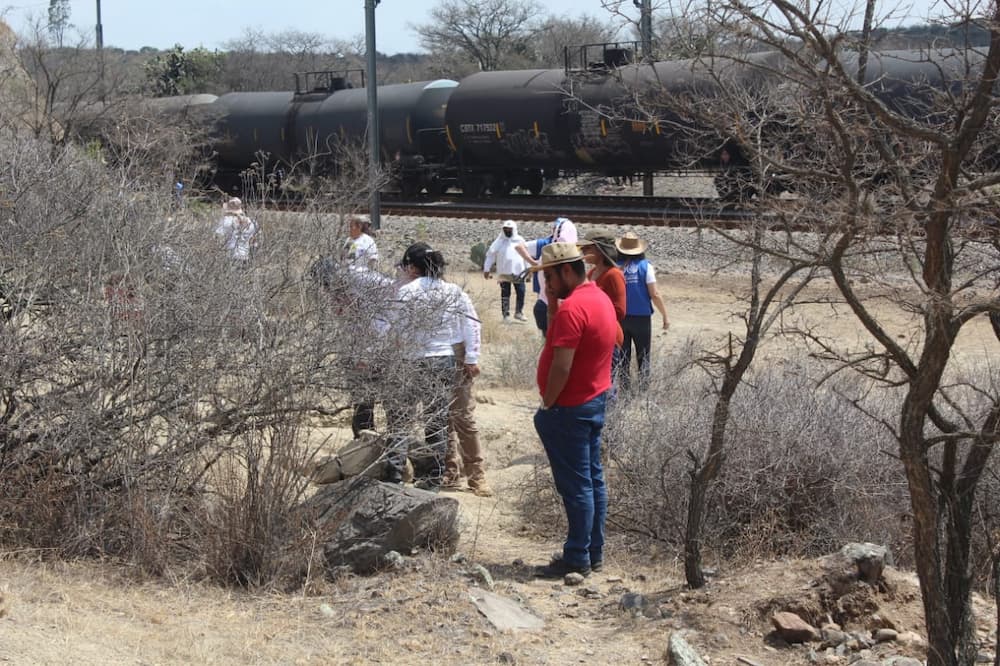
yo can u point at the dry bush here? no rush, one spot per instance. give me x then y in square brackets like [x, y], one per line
[154, 395]
[805, 472]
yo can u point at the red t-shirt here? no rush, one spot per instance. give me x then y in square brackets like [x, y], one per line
[612, 283]
[585, 322]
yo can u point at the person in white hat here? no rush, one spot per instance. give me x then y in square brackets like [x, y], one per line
[503, 255]
[237, 232]
[574, 377]
[641, 296]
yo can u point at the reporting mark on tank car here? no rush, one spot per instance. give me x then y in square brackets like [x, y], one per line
[481, 128]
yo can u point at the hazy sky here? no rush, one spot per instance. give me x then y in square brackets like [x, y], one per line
[132, 24]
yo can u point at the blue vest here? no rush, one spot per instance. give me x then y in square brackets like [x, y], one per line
[539, 244]
[637, 300]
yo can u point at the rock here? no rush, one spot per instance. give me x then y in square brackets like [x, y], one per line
[911, 639]
[984, 658]
[832, 635]
[885, 635]
[792, 628]
[681, 653]
[366, 519]
[882, 621]
[481, 574]
[392, 560]
[326, 610]
[503, 613]
[903, 661]
[633, 603]
[506, 658]
[573, 579]
[868, 558]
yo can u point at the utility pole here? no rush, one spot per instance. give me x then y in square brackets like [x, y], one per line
[374, 150]
[646, 33]
[99, 37]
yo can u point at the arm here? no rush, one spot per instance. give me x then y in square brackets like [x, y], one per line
[562, 362]
[471, 336]
[523, 251]
[616, 292]
[654, 296]
[491, 257]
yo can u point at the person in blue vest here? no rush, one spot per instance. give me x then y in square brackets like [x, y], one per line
[563, 231]
[641, 296]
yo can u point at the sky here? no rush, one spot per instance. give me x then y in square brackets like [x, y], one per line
[132, 24]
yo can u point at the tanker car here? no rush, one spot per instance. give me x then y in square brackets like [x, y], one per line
[492, 132]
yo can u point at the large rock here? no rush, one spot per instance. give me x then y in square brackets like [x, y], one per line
[792, 628]
[681, 653]
[863, 561]
[362, 520]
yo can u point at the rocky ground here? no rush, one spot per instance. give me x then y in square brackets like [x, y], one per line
[433, 608]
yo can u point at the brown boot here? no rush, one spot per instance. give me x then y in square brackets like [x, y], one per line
[480, 488]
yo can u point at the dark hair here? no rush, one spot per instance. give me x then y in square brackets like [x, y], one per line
[631, 257]
[428, 261]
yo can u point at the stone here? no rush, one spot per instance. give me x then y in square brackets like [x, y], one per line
[681, 653]
[633, 603]
[792, 628]
[482, 574]
[366, 519]
[506, 658]
[911, 639]
[503, 613]
[904, 661]
[885, 635]
[392, 560]
[866, 560]
[574, 578]
[833, 637]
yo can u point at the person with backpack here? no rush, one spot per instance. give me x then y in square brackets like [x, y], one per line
[641, 296]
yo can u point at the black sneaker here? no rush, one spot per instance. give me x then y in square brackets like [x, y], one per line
[558, 568]
[430, 485]
[596, 566]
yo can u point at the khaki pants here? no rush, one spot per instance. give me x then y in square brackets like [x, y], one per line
[464, 454]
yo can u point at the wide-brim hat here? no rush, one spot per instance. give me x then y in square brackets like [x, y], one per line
[604, 241]
[631, 244]
[557, 253]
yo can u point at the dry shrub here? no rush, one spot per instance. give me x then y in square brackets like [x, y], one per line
[804, 471]
[152, 393]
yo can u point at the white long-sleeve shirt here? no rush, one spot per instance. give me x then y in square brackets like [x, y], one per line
[436, 315]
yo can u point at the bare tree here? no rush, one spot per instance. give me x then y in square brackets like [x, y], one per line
[554, 34]
[890, 159]
[490, 33]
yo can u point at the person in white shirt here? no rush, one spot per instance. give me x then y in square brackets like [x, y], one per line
[510, 266]
[360, 247]
[431, 318]
[236, 231]
[563, 231]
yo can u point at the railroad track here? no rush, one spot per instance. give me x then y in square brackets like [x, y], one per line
[651, 211]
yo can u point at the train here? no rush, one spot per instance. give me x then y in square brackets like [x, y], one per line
[495, 131]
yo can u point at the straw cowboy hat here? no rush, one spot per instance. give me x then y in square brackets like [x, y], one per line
[557, 253]
[630, 244]
[234, 205]
[604, 241]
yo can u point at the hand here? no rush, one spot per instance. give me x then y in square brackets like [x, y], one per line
[471, 370]
[487, 275]
[666, 324]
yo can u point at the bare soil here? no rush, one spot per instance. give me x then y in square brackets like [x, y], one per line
[95, 613]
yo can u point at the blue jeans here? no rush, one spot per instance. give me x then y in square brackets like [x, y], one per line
[572, 440]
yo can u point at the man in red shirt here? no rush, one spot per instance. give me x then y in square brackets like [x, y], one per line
[574, 375]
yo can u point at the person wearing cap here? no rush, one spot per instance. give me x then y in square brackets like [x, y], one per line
[431, 318]
[574, 376]
[563, 231]
[510, 265]
[360, 248]
[236, 231]
[641, 296]
[601, 254]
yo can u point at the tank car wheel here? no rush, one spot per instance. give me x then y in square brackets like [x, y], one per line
[536, 183]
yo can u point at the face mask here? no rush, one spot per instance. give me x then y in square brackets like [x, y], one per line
[508, 232]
